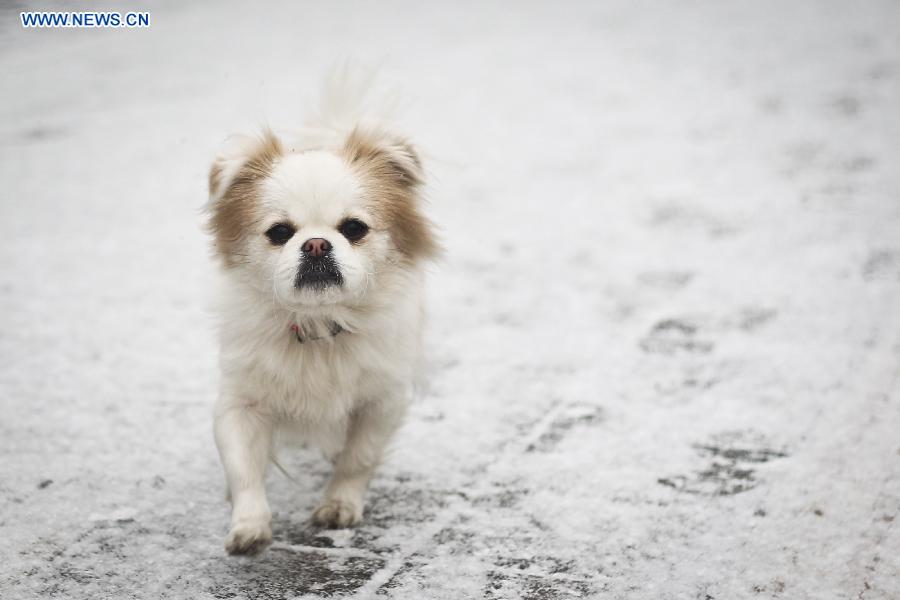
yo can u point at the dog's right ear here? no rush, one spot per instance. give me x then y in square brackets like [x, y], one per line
[241, 155]
[234, 180]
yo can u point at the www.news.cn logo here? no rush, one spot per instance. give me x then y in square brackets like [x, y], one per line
[85, 19]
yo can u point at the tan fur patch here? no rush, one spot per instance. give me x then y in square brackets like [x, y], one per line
[215, 174]
[392, 173]
[235, 212]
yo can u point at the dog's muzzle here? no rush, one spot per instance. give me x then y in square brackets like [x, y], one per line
[318, 270]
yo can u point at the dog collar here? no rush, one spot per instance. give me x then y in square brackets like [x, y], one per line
[333, 329]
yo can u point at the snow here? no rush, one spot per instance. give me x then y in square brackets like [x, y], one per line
[664, 343]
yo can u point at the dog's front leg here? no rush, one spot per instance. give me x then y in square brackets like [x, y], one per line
[244, 439]
[368, 433]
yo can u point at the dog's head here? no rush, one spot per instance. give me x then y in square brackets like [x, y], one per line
[320, 226]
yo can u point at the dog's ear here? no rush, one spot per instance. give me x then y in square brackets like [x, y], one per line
[385, 156]
[393, 172]
[234, 180]
[241, 155]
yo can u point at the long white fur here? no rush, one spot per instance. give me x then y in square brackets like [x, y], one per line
[347, 393]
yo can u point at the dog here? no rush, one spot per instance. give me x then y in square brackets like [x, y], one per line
[322, 246]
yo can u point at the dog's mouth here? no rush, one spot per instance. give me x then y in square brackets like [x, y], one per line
[318, 275]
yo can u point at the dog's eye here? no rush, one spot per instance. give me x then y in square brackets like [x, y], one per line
[353, 229]
[280, 233]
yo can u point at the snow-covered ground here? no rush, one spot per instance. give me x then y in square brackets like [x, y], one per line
[664, 343]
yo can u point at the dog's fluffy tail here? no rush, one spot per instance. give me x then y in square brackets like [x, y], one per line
[350, 98]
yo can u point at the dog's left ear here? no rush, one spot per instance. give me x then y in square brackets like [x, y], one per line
[385, 156]
[394, 172]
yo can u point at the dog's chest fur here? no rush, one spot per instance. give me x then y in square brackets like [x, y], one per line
[318, 382]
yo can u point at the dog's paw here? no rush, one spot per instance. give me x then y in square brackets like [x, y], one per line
[336, 514]
[248, 538]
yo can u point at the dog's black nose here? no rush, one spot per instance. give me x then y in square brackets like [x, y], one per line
[316, 247]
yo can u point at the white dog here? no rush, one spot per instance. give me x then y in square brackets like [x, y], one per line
[322, 245]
